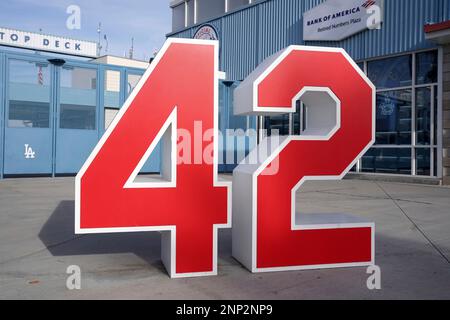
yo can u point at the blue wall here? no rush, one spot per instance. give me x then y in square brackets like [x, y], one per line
[249, 35]
[58, 150]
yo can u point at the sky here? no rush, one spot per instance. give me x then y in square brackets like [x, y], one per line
[147, 21]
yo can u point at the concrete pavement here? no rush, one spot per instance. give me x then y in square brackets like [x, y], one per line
[37, 244]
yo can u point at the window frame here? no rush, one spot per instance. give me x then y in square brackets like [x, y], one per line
[435, 147]
[17, 58]
[59, 107]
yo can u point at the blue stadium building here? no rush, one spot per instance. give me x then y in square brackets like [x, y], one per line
[402, 45]
[55, 106]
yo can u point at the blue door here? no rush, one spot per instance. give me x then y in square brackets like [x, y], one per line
[77, 115]
[28, 117]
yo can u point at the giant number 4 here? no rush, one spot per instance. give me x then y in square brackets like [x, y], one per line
[179, 89]
[268, 234]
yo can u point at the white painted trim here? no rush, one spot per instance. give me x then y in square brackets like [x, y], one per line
[195, 11]
[186, 14]
[216, 182]
[172, 157]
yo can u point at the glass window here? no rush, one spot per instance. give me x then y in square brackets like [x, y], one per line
[277, 125]
[178, 17]
[28, 114]
[190, 12]
[29, 95]
[207, 9]
[361, 66]
[387, 160]
[296, 119]
[299, 119]
[423, 116]
[423, 161]
[234, 4]
[111, 94]
[394, 117]
[426, 67]
[391, 73]
[78, 98]
[133, 80]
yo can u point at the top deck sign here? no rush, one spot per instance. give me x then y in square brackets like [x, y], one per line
[43, 42]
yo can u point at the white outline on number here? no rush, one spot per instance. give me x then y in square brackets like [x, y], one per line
[169, 258]
[248, 96]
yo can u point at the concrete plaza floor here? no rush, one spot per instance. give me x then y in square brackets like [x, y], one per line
[37, 244]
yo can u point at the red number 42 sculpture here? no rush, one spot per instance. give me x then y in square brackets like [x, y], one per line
[190, 203]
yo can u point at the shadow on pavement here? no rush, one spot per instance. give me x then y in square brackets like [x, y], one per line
[58, 236]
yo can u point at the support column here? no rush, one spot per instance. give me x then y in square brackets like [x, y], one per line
[446, 116]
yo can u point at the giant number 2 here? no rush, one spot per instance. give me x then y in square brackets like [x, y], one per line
[268, 234]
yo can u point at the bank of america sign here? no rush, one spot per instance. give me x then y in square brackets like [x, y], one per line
[335, 20]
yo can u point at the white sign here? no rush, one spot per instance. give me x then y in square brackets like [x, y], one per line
[335, 20]
[38, 41]
[206, 32]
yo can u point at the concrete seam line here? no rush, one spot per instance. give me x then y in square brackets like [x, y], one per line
[41, 250]
[415, 225]
[372, 198]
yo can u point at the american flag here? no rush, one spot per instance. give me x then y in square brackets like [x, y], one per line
[40, 76]
[369, 3]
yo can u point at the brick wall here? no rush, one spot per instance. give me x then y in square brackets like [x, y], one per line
[446, 115]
